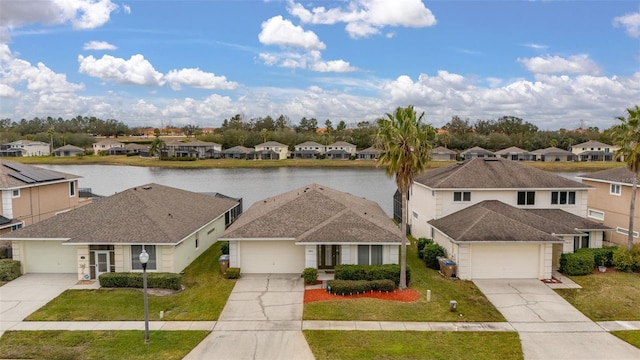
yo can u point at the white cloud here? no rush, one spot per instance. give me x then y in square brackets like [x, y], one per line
[127, 9]
[99, 45]
[311, 60]
[536, 46]
[198, 79]
[367, 17]
[332, 66]
[575, 64]
[630, 22]
[7, 91]
[136, 71]
[281, 32]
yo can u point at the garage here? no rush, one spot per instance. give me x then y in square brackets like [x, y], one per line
[271, 257]
[48, 257]
[504, 261]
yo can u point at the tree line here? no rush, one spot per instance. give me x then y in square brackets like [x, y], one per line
[457, 134]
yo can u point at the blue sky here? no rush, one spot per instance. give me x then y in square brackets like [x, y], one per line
[556, 64]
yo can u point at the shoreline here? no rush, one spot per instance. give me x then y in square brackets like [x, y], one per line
[124, 160]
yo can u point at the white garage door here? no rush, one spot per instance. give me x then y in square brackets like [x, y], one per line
[49, 257]
[271, 257]
[505, 261]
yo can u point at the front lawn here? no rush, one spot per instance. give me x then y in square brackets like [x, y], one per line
[413, 345]
[81, 345]
[472, 304]
[606, 297]
[630, 336]
[205, 295]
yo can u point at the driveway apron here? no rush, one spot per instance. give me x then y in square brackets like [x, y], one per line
[550, 327]
[261, 320]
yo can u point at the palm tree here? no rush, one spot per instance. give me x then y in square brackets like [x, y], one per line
[156, 146]
[627, 136]
[404, 144]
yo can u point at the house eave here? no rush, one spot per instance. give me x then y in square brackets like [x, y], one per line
[35, 239]
[256, 239]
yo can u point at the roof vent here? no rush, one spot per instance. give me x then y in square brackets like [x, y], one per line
[147, 187]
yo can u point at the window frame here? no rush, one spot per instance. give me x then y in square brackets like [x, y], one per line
[623, 231]
[72, 189]
[569, 197]
[464, 196]
[370, 254]
[615, 189]
[14, 195]
[526, 195]
[152, 264]
[591, 211]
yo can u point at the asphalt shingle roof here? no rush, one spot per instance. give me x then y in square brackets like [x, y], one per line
[315, 214]
[617, 175]
[8, 182]
[494, 173]
[148, 214]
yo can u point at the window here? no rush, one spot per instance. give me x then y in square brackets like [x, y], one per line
[526, 197]
[16, 227]
[595, 214]
[15, 193]
[135, 257]
[624, 231]
[461, 196]
[580, 242]
[369, 254]
[72, 189]
[415, 215]
[563, 197]
[197, 240]
[615, 189]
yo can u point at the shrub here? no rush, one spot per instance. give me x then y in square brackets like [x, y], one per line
[431, 254]
[310, 275]
[371, 272]
[179, 158]
[233, 273]
[224, 247]
[578, 263]
[383, 285]
[160, 280]
[9, 269]
[421, 243]
[622, 259]
[601, 256]
[635, 256]
[346, 287]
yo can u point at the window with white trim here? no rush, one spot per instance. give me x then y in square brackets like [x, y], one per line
[197, 240]
[615, 189]
[563, 197]
[461, 196]
[624, 231]
[595, 214]
[369, 254]
[15, 193]
[135, 257]
[72, 188]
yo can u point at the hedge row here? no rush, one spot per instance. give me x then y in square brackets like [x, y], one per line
[9, 269]
[601, 256]
[134, 280]
[347, 287]
[233, 273]
[371, 272]
[576, 264]
[627, 260]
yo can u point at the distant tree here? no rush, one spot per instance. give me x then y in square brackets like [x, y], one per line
[189, 130]
[341, 126]
[156, 146]
[457, 126]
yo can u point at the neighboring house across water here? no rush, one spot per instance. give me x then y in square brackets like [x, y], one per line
[308, 150]
[442, 197]
[515, 153]
[313, 226]
[31, 194]
[609, 202]
[370, 153]
[25, 148]
[595, 151]
[68, 150]
[553, 154]
[195, 149]
[271, 150]
[105, 145]
[237, 152]
[443, 154]
[476, 152]
[340, 150]
[174, 226]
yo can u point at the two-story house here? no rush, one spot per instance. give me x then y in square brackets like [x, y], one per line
[609, 203]
[196, 149]
[308, 150]
[25, 148]
[106, 144]
[340, 150]
[31, 194]
[271, 150]
[493, 200]
[595, 151]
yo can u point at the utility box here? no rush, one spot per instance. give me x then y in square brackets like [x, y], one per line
[224, 263]
[448, 268]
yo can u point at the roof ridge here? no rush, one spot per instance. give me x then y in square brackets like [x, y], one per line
[459, 167]
[322, 224]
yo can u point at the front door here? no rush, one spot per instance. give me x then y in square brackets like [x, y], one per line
[103, 262]
[327, 256]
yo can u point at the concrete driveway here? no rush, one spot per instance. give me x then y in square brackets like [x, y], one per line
[26, 294]
[550, 327]
[261, 320]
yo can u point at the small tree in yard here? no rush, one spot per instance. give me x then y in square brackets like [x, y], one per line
[404, 144]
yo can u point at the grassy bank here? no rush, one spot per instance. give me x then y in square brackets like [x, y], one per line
[229, 163]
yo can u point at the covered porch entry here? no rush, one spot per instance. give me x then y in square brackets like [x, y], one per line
[328, 256]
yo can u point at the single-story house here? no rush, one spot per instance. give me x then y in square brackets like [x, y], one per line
[174, 226]
[476, 152]
[237, 152]
[515, 153]
[441, 153]
[68, 150]
[492, 240]
[553, 154]
[370, 153]
[311, 227]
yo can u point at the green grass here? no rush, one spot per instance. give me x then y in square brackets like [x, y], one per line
[413, 345]
[472, 304]
[606, 297]
[205, 295]
[80, 345]
[630, 336]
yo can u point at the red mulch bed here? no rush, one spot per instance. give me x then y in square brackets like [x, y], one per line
[408, 295]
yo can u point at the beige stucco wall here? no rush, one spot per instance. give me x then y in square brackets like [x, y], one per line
[615, 209]
[40, 202]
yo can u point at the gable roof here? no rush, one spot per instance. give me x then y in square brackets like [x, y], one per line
[108, 141]
[476, 150]
[370, 150]
[68, 148]
[616, 175]
[442, 150]
[592, 144]
[17, 175]
[569, 219]
[495, 221]
[511, 150]
[315, 214]
[311, 143]
[552, 150]
[194, 143]
[239, 149]
[494, 173]
[271, 143]
[148, 214]
[341, 143]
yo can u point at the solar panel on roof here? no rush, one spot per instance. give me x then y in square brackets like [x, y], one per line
[22, 178]
[31, 175]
